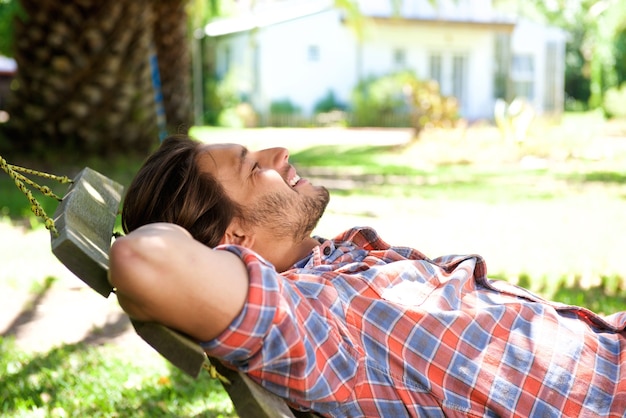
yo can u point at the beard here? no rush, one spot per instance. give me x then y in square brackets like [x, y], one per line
[289, 217]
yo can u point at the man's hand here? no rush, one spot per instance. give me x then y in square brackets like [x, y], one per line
[162, 274]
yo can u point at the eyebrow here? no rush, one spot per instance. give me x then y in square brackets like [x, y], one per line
[242, 159]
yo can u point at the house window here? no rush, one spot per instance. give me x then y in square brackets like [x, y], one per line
[524, 89]
[523, 66]
[435, 68]
[523, 75]
[502, 65]
[399, 57]
[224, 64]
[459, 73]
[449, 70]
[551, 88]
[314, 53]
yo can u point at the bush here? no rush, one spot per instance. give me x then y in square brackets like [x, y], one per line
[284, 107]
[378, 101]
[283, 113]
[614, 103]
[430, 108]
[401, 99]
[328, 103]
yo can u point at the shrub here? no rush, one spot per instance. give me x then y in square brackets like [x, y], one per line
[284, 107]
[401, 99]
[283, 112]
[430, 108]
[328, 103]
[377, 101]
[614, 103]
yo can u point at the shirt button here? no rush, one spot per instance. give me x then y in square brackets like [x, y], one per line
[327, 251]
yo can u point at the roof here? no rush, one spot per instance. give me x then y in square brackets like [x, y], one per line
[266, 16]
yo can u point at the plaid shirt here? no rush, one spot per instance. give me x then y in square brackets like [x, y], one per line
[363, 329]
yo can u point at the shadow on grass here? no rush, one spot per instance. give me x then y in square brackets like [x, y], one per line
[84, 380]
[605, 296]
[28, 312]
[93, 378]
[605, 177]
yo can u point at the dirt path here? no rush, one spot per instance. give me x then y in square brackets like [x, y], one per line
[44, 305]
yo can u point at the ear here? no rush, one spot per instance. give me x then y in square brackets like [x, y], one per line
[236, 234]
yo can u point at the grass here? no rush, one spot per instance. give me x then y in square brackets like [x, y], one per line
[546, 214]
[77, 380]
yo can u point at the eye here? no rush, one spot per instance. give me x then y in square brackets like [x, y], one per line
[256, 167]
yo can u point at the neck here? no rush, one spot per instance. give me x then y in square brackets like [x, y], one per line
[285, 254]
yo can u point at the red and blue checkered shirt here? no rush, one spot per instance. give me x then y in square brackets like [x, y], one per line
[363, 329]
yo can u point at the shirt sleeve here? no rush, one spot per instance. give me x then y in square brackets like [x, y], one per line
[285, 341]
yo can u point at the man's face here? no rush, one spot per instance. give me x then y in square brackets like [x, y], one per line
[273, 196]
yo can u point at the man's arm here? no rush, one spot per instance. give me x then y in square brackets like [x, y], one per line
[162, 274]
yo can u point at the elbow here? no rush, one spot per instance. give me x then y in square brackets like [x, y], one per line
[121, 255]
[127, 278]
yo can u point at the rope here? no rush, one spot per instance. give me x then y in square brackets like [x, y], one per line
[15, 172]
[214, 373]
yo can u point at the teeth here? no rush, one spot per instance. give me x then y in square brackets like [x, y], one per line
[294, 180]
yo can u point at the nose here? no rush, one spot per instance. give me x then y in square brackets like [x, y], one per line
[275, 158]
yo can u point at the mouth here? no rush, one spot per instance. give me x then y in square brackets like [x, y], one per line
[294, 180]
[292, 177]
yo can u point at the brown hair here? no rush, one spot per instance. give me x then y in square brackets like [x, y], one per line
[169, 187]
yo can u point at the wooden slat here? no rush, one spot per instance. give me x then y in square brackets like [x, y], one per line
[85, 220]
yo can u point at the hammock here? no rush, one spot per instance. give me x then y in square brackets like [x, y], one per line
[81, 232]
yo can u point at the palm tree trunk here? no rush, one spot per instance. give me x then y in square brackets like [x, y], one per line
[83, 80]
[172, 48]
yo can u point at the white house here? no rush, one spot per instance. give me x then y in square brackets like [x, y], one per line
[299, 50]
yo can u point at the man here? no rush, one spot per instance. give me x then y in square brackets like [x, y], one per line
[221, 249]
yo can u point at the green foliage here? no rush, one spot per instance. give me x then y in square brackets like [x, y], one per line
[430, 107]
[401, 99]
[594, 57]
[619, 47]
[577, 81]
[381, 101]
[212, 102]
[284, 113]
[284, 107]
[606, 296]
[8, 10]
[614, 104]
[221, 100]
[328, 103]
[78, 380]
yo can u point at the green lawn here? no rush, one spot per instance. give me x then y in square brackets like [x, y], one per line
[77, 380]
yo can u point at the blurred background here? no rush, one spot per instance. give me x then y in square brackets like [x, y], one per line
[495, 127]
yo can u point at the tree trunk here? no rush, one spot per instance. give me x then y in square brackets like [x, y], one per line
[172, 48]
[84, 80]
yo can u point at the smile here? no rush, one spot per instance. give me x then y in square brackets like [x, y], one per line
[294, 180]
